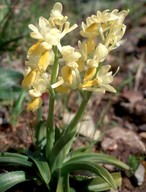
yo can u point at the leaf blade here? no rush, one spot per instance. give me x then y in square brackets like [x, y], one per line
[42, 167]
[98, 184]
[14, 159]
[99, 157]
[57, 149]
[91, 167]
[8, 180]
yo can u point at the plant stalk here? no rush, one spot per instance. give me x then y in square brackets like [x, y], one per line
[72, 126]
[50, 119]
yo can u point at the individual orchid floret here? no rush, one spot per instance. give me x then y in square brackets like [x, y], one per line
[70, 77]
[101, 82]
[40, 85]
[69, 72]
[59, 21]
[69, 54]
[56, 17]
[101, 53]
[98, 56]
[34, 104]
[85, 48]
[113, 38]
[44, 33]
[38, 57]
[29, 78]
[40, 31]
[37, 81]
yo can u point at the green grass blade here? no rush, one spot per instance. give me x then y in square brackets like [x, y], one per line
[98, 157]
[8, 180]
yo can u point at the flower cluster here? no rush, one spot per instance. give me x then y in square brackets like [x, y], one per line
[80, 68]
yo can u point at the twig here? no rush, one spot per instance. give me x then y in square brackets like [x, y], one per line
[139, 72]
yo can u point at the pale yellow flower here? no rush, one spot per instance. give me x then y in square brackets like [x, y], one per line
[69, 72]
[40, 85]
[71, 77]
[90, 45]
[29, 79]
[101, 82]
[56, 17]
[113, 39]
[53, 30]
[101, 21]
[81, 68]
[34, 104]
[59, 21]
[44, 33]
[38, 57]
[60, 86]
[40, 31]
[101, 53]
[63, 89]
[69, 54]
[83, 51]
[90, 73]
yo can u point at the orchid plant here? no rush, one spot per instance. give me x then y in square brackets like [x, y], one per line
[54, 69]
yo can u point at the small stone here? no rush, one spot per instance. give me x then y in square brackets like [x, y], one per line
[139, 174]
[143, 135]
[85, 127]
[122, 143]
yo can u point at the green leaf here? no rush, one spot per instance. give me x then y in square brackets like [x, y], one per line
[8, 180]
[8, 154]
[66, 183]
[98, 184]
[91, 167]
[42, 166]
[56, 153]
[16, 109]
[60, 185]
[8, 159]
[97, 157]
[9, 84]
[40, 135]
[63, 184]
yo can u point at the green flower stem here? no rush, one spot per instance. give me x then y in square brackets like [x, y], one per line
[39, 114]
[101, 34]
[72, 126]
[50, 120]
[50, 127]
[55, 66]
